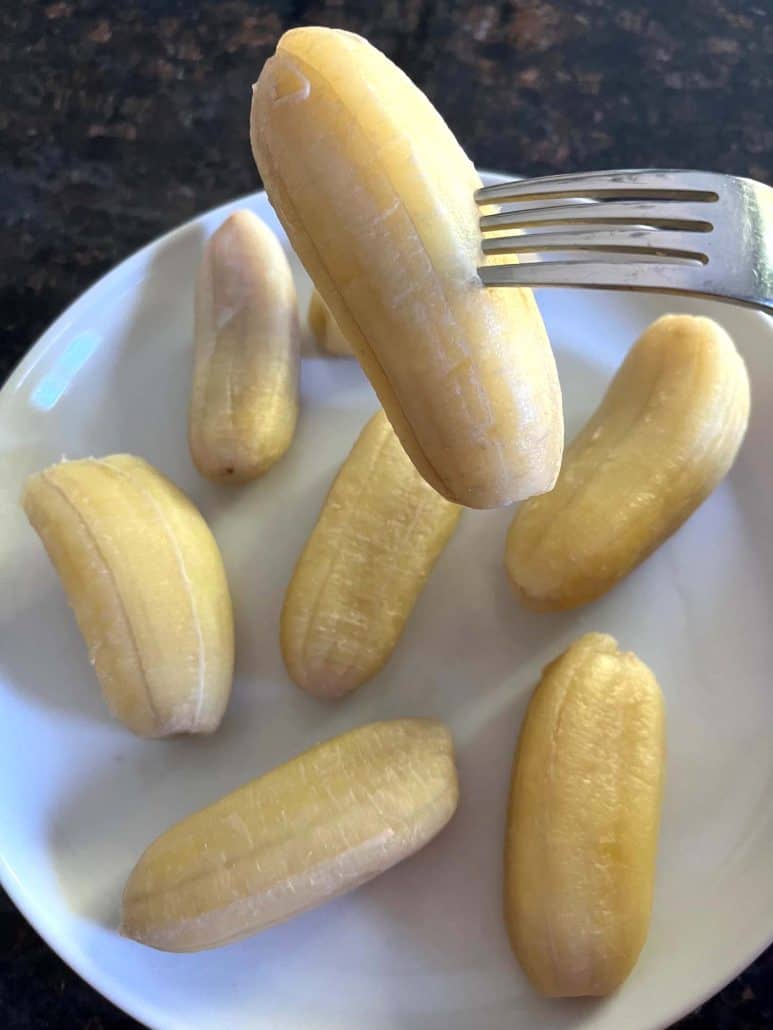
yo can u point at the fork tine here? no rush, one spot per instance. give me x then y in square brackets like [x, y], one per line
[691, 217]
[602, 275]
[653, 183]
[633, 241]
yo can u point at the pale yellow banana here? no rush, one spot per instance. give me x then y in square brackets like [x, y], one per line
[313, 828]
[380, 531]
[665, 434]
[244, 401]
[376, 196]
[145, 579]
[583, 820]
[329, 337]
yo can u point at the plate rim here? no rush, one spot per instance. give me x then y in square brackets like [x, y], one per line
[104, 983]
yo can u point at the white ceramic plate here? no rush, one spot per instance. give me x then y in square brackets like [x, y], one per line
[423, 946]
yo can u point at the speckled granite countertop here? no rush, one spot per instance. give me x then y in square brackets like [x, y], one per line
[121, 120]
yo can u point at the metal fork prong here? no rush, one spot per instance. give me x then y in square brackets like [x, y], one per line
[667, 240]
[631, 241]
[678, 178]
[661, 185]
[690, 217]
[605, 275]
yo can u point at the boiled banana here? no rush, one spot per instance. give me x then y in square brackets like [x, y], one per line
[666, 433]
[376, 197]
[317, 826]
[244, 400]
[144, 576]
[583, 820]
[380, 531]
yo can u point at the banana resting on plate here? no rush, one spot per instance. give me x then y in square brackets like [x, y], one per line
[145, 579]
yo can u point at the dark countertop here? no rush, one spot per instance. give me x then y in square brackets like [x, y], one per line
[121, 120]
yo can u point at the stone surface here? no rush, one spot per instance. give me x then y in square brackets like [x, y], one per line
[119, 121]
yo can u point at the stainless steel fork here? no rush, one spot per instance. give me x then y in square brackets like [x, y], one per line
[697, 233]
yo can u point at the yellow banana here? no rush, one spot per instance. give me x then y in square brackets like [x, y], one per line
[144, 576]
[583, 820]
[329, 337]
[379, 533]
[377, 198]
[244, 401]
[313, 828]
[666, 433]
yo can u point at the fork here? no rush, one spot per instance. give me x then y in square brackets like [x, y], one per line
[698, 233]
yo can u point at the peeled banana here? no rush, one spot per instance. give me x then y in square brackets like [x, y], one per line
[666, 433]
[377, 198]
[583, 820]
[379, 533]
[326, 332]
[313, 828]
[244, 400]
[144, 576]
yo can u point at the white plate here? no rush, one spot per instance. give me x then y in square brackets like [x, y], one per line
[423, 946]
